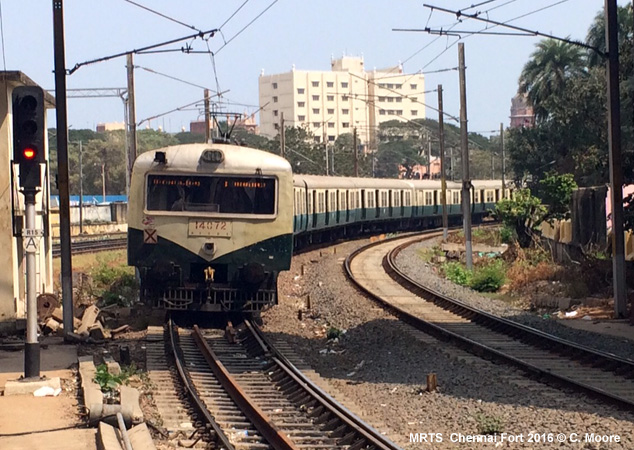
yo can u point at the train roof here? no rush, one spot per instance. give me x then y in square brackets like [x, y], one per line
[325, 182]
[483, 184]
[187, 157]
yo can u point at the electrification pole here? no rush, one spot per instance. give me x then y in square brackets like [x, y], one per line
[131, 117]
[207, 118]
[356, 152]
[503, 161]
[464, 144]
[443, 178]
[81, 188]
[616, 171]
[62, 167]
[282, 135]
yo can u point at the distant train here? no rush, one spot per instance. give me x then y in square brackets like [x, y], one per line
[210, 226]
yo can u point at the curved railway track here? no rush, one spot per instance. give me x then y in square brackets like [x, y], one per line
[249, 396]
[372, 268]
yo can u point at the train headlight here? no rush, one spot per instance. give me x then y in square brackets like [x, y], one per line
[253, 273]
[212, 156]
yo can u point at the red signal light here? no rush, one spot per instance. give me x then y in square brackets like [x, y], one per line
[29, 153]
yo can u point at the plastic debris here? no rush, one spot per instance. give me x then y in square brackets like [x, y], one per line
[47, 391]
[586, 318]
[571, 313]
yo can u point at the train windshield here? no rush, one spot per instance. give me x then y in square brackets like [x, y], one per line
[211, 194]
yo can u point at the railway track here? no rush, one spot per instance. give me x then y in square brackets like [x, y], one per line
[94, 245]
[247, 395]
[373, 269]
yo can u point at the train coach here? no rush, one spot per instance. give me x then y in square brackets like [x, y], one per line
[210, 226]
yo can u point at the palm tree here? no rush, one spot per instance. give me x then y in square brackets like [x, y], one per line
[545, 75]
[596, 34]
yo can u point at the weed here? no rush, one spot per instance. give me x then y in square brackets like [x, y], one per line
[114, 282]
[506, 235]
[456, 273]
[333, 333]
[488, 278]
[107, 381]
[429, 255]
[489, 424]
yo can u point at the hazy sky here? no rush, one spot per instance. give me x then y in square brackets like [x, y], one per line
[300, 33]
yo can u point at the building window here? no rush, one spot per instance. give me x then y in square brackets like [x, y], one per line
[381, 99]
[344, 98]
[274, 99]
[398, 86]
[345, 125]
[301, 118]
[315, 98]
[413, 86]
[331, 111]
[345, 111]
[316, 139]
[301, 104]
[300, 90]
[315, 110]
[331, 125]
[390, 112]
[330, 98]
[331, 138]
[381, 112]
[274, 85]
[330, 84]
[414, 99]
[344, 84]
[315, 83]
[381, 85]
[276, 126]
[399, 112]
[316, 124]
[414, 112]
[275, 112]
[390, 99]
[390, 86]
[398, 99]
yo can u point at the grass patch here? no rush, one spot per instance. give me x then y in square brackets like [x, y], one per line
[489, 424]
[489, 277]
[113, 281]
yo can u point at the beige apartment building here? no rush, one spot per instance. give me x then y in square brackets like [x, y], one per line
[332, 103]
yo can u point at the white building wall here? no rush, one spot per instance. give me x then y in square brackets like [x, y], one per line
[329, 104]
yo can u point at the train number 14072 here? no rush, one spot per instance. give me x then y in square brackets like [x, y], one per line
[220, 228]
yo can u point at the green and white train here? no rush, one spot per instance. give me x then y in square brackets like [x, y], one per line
[210, 226]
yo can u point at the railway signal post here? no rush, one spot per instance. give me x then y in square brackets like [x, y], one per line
[28, 153]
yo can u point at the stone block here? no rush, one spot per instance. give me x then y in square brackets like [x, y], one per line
[27, 387]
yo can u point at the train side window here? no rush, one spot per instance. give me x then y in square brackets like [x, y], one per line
[342, 200]
[490, 196]
[476, 196]
[456, 197]
[428, 198]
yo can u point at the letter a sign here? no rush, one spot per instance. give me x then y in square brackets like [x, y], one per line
[30, 245]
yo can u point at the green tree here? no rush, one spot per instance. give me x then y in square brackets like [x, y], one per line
[556, 192]
[545, 75]
[523, 213]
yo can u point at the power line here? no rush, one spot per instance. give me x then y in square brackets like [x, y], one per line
[176, 79]
[247, 26]
[232, 15]
[201, 35]
[459, 14]
[171, 19]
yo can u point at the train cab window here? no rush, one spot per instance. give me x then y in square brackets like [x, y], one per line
[211, 194]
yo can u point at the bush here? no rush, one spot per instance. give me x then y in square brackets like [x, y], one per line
[489, 278]
[506, 235]
[114, 283]
[456, 273]
[489, 424]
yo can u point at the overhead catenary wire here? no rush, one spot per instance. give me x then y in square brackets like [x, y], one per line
[522, 29]
[246, 26]
[171, 19]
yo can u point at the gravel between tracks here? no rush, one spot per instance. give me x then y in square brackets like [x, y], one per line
[378, 366]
